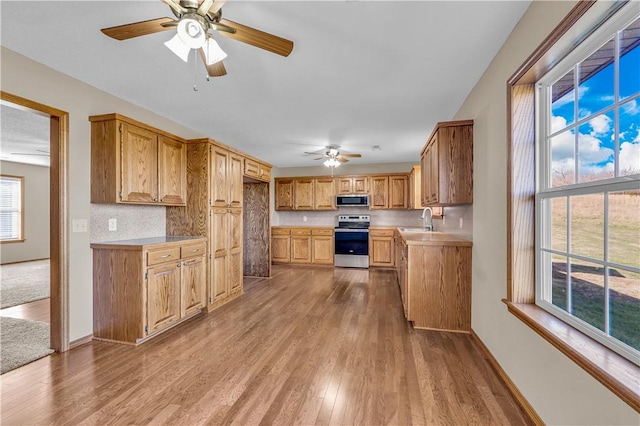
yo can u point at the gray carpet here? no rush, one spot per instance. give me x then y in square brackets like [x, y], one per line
[24, 282]
[22, 341]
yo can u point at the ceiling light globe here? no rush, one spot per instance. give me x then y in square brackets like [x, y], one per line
[191, 33]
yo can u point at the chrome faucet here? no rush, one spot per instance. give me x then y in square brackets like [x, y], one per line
[427, 219]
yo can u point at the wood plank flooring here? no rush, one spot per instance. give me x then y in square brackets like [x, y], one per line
[34, 311]
[309, 346]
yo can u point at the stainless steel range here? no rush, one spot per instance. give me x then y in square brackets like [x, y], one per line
[352, 241]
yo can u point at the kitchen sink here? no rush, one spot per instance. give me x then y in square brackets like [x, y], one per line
[413, 230]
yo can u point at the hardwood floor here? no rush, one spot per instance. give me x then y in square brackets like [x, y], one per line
[311, 345]
[35, 311]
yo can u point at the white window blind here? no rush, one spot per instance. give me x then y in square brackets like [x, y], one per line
[10, 208]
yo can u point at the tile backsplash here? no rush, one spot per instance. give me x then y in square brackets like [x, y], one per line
[133, 221]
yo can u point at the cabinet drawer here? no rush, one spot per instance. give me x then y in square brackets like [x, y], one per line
[328, 232]
[198, 249]
[280, 231]
[155, 257]
[301, 232]
[381, 232]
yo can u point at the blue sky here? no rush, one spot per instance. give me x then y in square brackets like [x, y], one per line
[597, 135]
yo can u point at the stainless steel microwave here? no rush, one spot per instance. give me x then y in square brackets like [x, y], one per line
[353, 200]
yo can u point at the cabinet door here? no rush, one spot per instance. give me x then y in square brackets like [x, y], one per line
[359, 185]
[280, 249]
[139, 167]
[303, 194]
[219, 173]
[300, 249]
[163, 296]
[234, 179]
[251, 168]
[398, 192]
[324, 194]
[433, 178]
[220, 234]
[379, 192]
[381, 251]
[194, 276]
[235, 250]
[265, 173]
[172, 171]
[284, 194]
[322, 250]
[344, 185]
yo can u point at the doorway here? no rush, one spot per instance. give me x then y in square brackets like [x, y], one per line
[58, 253]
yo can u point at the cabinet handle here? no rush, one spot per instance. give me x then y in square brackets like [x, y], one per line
[155, 200]
[195, 250]
[164, 256]
[179, 265]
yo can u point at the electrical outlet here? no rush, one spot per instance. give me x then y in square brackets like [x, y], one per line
[113, 224]
[304, 218]
[79, 225]
[461, 221]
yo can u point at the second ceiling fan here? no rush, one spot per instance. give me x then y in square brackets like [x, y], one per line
[194, 20]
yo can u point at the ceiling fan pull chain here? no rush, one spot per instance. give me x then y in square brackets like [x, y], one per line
[195, 66]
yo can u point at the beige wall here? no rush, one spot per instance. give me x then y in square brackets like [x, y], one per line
[28, 79]
[559, 390]
[36, 214]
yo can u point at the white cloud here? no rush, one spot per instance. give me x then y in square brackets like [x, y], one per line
[557, 123]
[630, 156]
[631, 108]
[590, 150]
[601, 125]
[562, 147]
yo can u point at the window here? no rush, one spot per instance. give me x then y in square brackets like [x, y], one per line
[588, 186]
[11, 208]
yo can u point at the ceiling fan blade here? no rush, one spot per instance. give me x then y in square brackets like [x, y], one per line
[342, 160]
[127, 31]
[213, 70]
[217, 5]
[314, 153]
[351, 155]
[320, 158]
[258, 38]
[204, 7]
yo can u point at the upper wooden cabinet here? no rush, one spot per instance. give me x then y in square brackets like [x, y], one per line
[447, 165]
[398, 192]
[352, 185]
[305, 194]
[324, 194]
[379, 197]
[135, 163]
[226, 188]
[256, 170]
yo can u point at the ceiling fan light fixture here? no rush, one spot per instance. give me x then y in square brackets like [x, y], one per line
[213, 52]
[333, 152]
[191, 33]
[177, 46]
[331, 162]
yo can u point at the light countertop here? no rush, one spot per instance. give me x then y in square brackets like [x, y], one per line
[139, 243]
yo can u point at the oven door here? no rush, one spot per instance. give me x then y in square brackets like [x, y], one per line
[352, 241]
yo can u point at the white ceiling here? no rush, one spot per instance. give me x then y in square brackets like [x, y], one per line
[362, 73]
[24, 136]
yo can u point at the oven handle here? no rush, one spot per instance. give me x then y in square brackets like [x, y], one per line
[352, 230]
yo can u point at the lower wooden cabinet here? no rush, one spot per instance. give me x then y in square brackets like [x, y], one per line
[142, 287]
[381, 248]
[302, 245]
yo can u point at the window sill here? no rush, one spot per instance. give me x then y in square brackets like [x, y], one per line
[618, 374]
[12, 241]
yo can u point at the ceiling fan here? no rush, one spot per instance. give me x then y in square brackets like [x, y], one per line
[194, 20]
[332, 156]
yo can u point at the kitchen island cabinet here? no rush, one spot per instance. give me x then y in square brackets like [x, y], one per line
[434, 271]
[142, 287]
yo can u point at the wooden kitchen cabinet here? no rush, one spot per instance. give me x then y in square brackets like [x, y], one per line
[135, 163]
[257, 170]
[313, 245]
[352, 185]
[324, 194]
[322, 246]
[381, 248]
[447, 165]
[280, 245]
[141, 287]
[398, 192]
[379, 197]
[226, 188]
[300, 245]
[436, 281]
[284, 194]
[303, 194]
